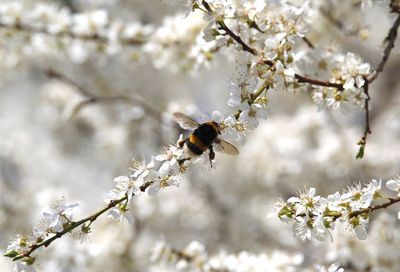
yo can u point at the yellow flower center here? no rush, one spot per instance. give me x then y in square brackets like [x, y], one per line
[338, 97]
[164, 182]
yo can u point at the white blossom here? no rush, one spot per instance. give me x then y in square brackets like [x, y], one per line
[252, 113]
[332, 268]
[314, 217]
[394, 184]
[60, 213]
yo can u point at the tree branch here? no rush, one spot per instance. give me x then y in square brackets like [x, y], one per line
[223, 26]
[253, 51]
[316, 82]
[363, 142]
[390, 39]
[372, 208]
[74, 225]
[308, 42]
[91, 98]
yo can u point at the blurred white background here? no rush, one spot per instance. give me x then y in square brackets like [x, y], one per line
[46, 153]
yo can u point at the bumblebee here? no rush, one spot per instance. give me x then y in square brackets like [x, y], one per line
[205, 136]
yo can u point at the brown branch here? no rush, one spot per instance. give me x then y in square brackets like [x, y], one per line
[363, 142]
[316, 82]
[68, 34]
[223, 26]
[308, 42]
[74, 225]
[91, 98]
[253, 51]
[372, 208]
[336, 215]
[239, 40]
[390, 39]
[394, 6]
[254, 25]
[89, 219]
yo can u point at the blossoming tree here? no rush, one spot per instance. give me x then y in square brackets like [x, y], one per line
[110, 76]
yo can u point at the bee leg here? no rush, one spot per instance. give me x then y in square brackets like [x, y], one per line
[182, 161]
[182, 142]
[211, 155]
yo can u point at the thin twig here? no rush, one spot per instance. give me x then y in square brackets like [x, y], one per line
[223, 26]
[363, 142]
[254, 25]
[308, 42]
[255, 95]
[91, 98]
[316, 82]
[390, 39]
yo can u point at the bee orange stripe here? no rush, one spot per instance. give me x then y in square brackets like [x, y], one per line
[197, 142]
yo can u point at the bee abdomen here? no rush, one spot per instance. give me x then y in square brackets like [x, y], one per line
[195, 145]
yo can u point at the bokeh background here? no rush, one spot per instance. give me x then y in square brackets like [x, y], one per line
[47, 152]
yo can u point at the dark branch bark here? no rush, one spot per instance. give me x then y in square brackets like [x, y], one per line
[390, 40]
[390, 202]
[363, 142]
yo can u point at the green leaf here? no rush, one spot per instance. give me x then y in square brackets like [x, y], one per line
[11, 254]
[360, 153]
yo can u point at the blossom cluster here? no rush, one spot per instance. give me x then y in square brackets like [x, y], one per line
[349, 71]
[272, 33]
[78, 34]
[378, 252]
[58, 219]
[148, 177]
[195, 258]
[314, 217]
[178, 44]
[52, 30]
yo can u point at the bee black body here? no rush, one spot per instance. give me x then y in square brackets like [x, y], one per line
[207, 133]
[205, 136]
[202, 139]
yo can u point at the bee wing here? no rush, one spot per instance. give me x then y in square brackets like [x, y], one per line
[185, 121]
[225, 147]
